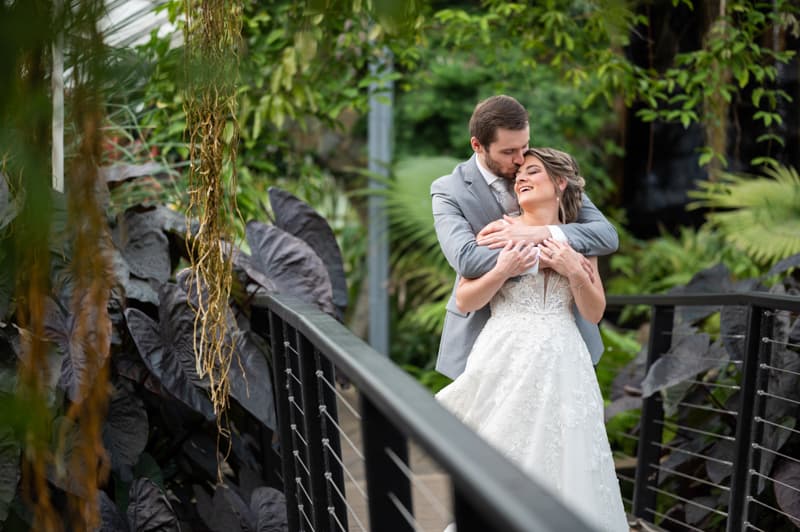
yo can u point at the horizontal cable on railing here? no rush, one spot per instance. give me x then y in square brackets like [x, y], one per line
[690, 477]
[353, 446]
[302, 510]
[290, 373]
[759, 419]
[676, 427]
[674, 334]
[407, 515]
[672, 519]
[628, 501]
[297, 406]
[624, 435]
[350, 509]
[707, 408]
[750, 498]
[296, 454]
[687, 501]
[755, 473]
[332, 511]
[749, 525]
[767, 340]
[714, 384]
[345, 402]
[778, 397]
[772, 451]
[436, 503]
[299, 482]
[626, 478]
[294, 429]
[779, 370]
[691, 453]
[326, 444]
[290, 347]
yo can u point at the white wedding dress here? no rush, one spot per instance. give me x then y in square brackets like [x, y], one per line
[529, 388]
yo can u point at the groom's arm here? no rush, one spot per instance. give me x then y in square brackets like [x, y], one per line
[457, 238]
[591, 234]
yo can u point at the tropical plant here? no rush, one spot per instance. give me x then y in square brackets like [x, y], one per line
[160, 432]
[703, 367]
[758, 215]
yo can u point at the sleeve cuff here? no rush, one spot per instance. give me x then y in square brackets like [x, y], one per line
[557, 233]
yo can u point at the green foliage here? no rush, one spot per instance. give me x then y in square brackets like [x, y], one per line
[757, 215]
[584, 43]
[655, 266]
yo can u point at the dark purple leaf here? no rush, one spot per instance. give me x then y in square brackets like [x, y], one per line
[711, 280]
[167, 349]
[622, 404]
[144, 245]
[250, 378]
[733, 328]
[125, 431]
[688, 357]
[149, 510]
[9, 468]
[630, 377]
[720, 464]
[124, 172]
[784, 265]
[290, 263]
[111, 519]
[787, 484]
[299, 219]
[774, 438]
[269, 506]
[697, 512]
[226, 511]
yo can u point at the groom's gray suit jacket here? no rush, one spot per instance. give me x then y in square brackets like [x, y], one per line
[463, 204]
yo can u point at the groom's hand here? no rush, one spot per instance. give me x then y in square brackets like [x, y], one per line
[498, 233]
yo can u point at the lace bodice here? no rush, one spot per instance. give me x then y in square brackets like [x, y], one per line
[544, 293]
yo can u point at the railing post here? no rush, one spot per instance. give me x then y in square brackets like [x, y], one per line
[644, 498]
[745, 421]
[330, 431]
[318, 490]
[466, 518]
[281, 387]
[383, 476]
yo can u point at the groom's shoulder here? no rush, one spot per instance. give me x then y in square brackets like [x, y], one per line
[460, 173]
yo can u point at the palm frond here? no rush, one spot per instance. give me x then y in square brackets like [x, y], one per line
[760, 215]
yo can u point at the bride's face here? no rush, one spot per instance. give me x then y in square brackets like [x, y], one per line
[533, 184]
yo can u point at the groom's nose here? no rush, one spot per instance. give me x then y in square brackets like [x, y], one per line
[518, 158]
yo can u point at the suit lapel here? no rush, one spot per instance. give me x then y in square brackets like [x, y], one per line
[486, 206]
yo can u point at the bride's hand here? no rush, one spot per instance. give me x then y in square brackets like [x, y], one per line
[562, 258]
[516, 259]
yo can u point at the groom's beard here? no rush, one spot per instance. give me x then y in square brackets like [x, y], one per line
[495, 168]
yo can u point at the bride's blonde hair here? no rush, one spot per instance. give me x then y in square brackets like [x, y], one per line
[562, 166]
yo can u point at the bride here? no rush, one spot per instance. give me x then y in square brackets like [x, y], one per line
[529, 387]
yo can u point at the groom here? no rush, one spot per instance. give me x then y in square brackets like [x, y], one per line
[468, 211]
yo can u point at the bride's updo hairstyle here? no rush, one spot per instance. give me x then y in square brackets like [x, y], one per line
[562, 166]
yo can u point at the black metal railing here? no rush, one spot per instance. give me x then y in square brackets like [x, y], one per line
[488, 492]
[718, 478]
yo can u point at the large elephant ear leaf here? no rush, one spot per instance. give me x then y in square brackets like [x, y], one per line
[149, 510]
[125, 431]
[251, 381]
[111, 519]
[143, 244]
[167, 349]
[9, 470]
[787, 476]
[299, 219]
[226, 511]
[290, 264]
[269, 506]
[682, 362]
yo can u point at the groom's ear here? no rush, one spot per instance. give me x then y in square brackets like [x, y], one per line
[476, 145]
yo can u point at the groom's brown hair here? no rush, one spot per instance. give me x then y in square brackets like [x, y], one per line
[496, 112]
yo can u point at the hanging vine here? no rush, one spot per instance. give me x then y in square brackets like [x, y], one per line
[212, 39]
[81, 452]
